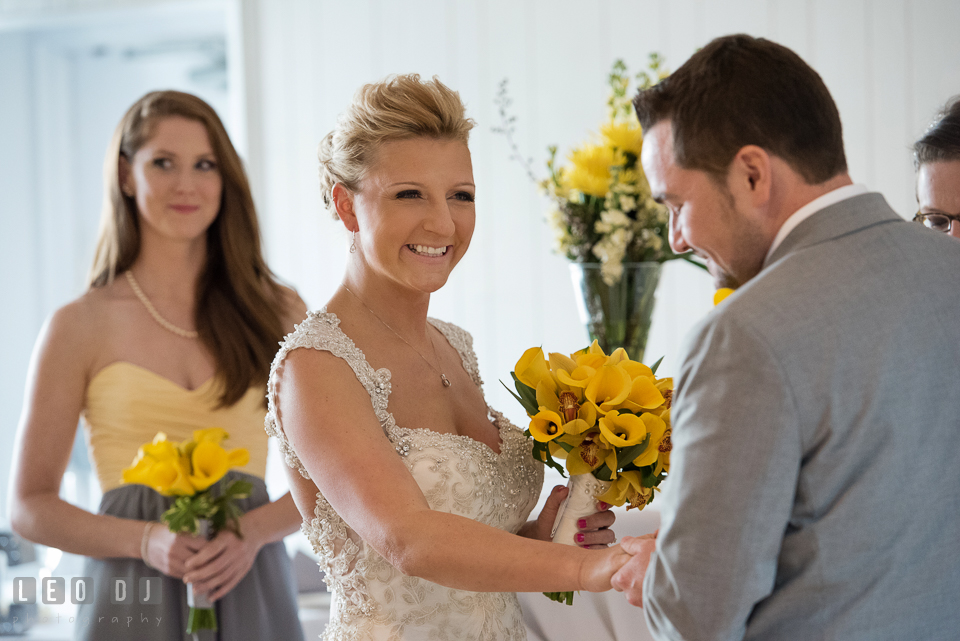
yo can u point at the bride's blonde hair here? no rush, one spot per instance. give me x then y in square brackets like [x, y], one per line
[396, 108]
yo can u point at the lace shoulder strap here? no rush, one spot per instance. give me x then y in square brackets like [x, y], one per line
[321, 331]
[462, 341]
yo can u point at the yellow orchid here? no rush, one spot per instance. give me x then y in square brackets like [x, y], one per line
[665, 446]
[627, 488]
[546, 425]
[655, 427]
[622, 430]
[532, 368]
[621, 487]
[590, 455]
[609, 387]
[547, 397]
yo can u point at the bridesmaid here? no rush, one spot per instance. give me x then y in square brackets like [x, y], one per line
[175, 333]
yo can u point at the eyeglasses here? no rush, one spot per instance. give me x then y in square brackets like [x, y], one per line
[936, 222]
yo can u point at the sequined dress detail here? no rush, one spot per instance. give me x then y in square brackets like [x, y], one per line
[372, 599]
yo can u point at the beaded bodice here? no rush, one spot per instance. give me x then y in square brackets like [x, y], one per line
[373, 600]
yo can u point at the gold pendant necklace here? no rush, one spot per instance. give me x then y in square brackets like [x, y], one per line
[163, 322]
[443, 378]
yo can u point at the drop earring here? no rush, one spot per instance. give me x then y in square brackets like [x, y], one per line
[353, 245]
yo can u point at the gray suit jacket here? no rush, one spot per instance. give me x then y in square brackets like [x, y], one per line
[814, 491]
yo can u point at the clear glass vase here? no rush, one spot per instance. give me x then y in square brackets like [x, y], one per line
[617, 315]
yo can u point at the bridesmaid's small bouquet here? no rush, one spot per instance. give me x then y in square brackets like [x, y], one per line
[606, 418]
[190, 471]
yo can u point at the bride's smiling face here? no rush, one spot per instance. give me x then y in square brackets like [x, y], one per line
[415, 211]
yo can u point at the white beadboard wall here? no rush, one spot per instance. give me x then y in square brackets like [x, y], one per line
[889, 64]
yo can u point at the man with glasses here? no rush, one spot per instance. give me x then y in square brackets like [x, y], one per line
[937, 157]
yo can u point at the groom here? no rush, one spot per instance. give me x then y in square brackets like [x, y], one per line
[814, 491]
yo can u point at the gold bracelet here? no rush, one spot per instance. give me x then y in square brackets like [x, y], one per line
[145, 543]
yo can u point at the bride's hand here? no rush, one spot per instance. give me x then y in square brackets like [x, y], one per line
[594, 530]
[597, 570]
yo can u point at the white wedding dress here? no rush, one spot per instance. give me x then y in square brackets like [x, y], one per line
[458, 475]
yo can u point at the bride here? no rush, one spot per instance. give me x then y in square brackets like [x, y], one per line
[413, 490]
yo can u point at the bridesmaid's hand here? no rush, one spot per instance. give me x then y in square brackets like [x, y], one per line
[221, 563]
[169, 552]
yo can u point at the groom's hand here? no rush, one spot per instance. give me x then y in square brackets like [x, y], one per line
[629, 579]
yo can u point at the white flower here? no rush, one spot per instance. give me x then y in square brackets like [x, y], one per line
[628, 203]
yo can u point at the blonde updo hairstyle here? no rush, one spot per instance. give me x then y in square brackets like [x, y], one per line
[396, 108]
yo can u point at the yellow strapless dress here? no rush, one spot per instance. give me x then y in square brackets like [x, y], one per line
[126, 405]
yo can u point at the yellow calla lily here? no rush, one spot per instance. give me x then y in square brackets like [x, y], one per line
[618, 356]
[238, 457]
[643, 395]
[532, 368]
[546, 426]
[160, 449]
[623, 430]
[139, 473]
[656, 427]
[209, 464]
[609, 387]
[635, 369]
[170, 478]
[578, 377]
[561, 363]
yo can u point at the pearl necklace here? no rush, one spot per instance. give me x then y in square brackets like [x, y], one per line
[163, 322]
[443, 377]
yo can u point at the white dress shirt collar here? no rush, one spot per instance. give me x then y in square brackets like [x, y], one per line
[812, 207]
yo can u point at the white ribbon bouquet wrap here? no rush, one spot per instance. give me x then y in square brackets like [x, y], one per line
[581, 502]
[202, 615]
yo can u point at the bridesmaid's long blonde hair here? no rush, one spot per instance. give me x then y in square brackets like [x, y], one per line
[238, 307]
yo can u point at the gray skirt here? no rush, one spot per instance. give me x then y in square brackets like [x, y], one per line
[261, 606]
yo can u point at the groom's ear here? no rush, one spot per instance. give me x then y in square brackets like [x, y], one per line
[343, 202]
[750, 177]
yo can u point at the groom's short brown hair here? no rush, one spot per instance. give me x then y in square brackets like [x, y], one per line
[740, 90]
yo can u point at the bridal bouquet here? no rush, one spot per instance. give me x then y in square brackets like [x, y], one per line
[602, 207]
[190, 471]
[607, 418]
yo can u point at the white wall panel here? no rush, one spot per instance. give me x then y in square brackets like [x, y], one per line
[888, 63]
